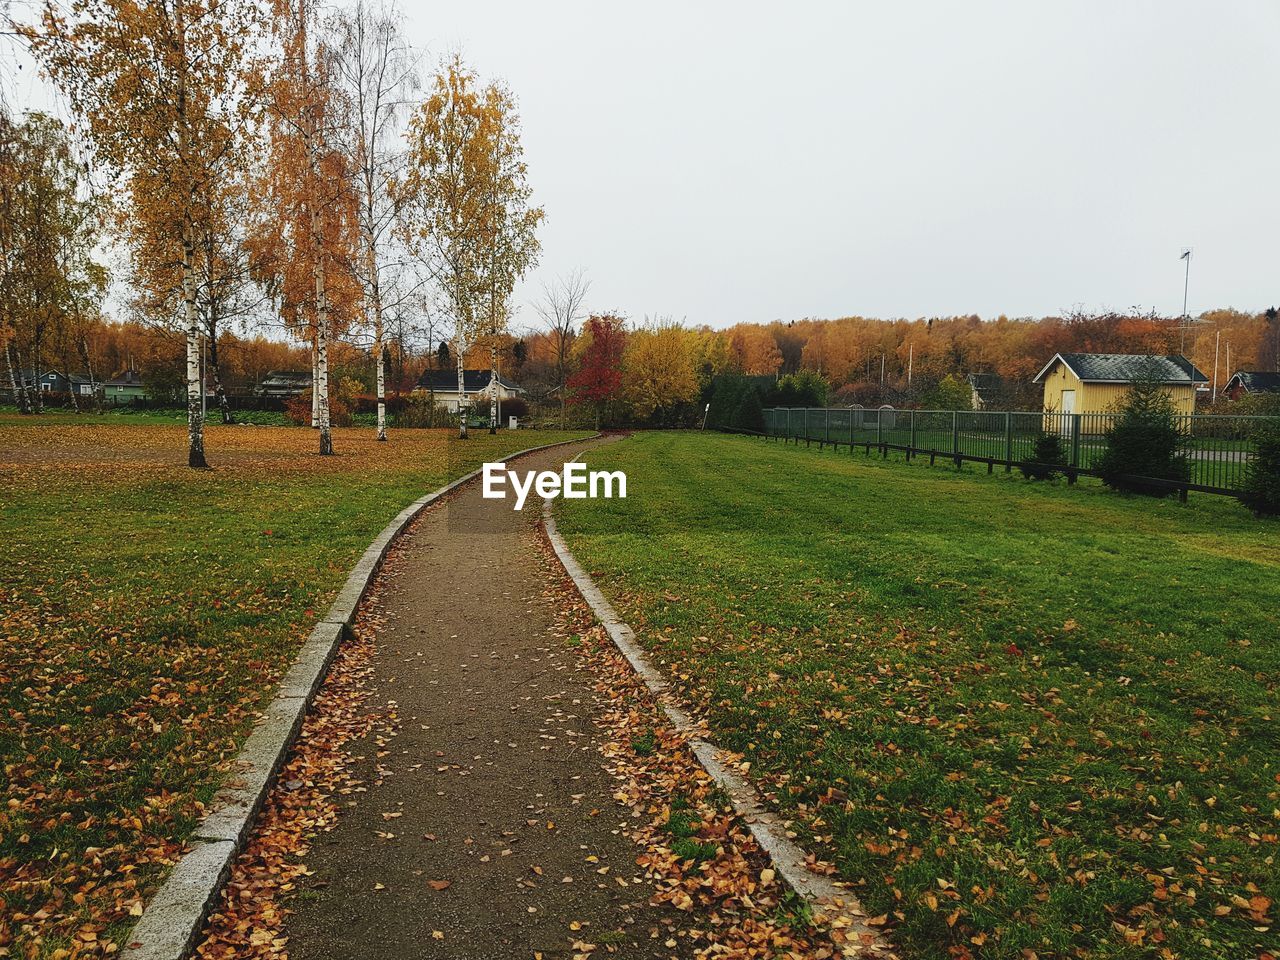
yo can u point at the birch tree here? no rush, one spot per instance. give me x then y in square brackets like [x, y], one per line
[226, 290]
[376, 71]
[49, 283]
[161, 86]
[443, 193]
[510, 225]
[303, 240]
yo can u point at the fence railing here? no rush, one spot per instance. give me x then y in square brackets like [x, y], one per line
[1218, 446]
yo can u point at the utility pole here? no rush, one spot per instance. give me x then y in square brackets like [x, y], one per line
[1216, 340]
[1186, 282]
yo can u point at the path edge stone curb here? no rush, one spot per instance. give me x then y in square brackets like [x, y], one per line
[172, 921]
[825, 898]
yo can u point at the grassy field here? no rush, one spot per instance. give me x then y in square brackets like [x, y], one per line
[146, 610]
[1026, 720]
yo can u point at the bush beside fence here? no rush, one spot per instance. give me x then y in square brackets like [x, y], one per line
[1219, 447]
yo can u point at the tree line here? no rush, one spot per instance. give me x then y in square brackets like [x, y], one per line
[260, 158]
[657, 372]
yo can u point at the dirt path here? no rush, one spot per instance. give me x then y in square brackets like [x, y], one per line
[493, 785]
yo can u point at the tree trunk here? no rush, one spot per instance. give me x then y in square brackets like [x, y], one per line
[560, 369]
[195, 413]
[71, 392]
[37, 401]
[315, 382]
[379, 333]
[88, 368]
[219, 390]
[462, 393]
[19, 388]
[493, 389]
[382, 386]
[322, 359]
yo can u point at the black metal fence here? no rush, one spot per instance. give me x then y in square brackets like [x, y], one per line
[56, 400]
[1217, 446]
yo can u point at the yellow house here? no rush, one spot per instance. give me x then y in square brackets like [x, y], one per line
[1096, 382]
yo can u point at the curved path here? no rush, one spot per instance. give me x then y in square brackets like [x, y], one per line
[493, 784]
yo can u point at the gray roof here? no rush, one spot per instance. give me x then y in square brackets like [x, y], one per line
[126, 378]
[985, 382]
[473, 380]
[1127, 367]
[1257, 381]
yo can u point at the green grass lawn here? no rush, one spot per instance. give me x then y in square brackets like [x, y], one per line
[146, 611]
[1025, 719]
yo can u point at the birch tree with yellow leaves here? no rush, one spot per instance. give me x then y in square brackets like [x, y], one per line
[304, 240]
[376, 72]
[465, 197]
[165, 91]
[509, 227]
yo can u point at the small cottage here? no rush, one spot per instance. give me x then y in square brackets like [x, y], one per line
[124, 387]
[54, 382]
[1097, 382]
[1246, 382]
[444, 385]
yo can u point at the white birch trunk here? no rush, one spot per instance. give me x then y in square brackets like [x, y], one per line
[195, 415]
[462, 391]
[71, 390]
[24, 391]
[37, 398]
[19, 389]
[379, 349]
[322, 359]
[382, 383]
[315, 383]
[88, 366]
[493, 389]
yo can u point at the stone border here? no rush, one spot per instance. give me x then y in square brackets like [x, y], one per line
[172, 922]
[831, 904]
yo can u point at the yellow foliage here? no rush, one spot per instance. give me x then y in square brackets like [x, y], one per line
[658, 368]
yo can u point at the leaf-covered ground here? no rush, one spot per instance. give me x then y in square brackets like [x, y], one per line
[1025, 720]
[146, 612]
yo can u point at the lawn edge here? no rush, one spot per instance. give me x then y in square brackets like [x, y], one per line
[171, 923]
[827, 900]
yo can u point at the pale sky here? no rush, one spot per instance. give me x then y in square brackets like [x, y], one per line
[749, 161]
[755, 161]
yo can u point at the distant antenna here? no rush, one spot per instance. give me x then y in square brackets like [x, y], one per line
[1186, 282]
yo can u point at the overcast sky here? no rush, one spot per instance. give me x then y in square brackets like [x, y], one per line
[755, 161]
